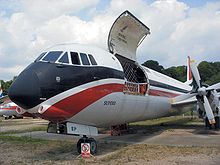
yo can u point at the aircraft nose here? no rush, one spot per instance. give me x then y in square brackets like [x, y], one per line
[25, 90]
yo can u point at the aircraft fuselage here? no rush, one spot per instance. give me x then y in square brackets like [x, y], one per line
[91, 94]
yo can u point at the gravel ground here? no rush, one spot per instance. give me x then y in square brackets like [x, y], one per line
[169, 144]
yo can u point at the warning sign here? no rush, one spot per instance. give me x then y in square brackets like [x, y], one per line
[85, 150]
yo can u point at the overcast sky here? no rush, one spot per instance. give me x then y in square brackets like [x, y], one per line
[178, 28]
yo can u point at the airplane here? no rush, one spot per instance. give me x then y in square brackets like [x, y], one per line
[8, 110]
[7, 107]
[80, 88]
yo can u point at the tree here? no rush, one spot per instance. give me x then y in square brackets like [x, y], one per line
[213, 79]
[178, 72]
[206, 70]
[154, 65]
[171, 72]
[5, 86]
[209, 71]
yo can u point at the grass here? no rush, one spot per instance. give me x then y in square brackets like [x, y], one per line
[174, 120]
[25, 120]
[27, 150]
[154, 125]
[59, 146]
[22, 140]
[166, 123]
[33, 129]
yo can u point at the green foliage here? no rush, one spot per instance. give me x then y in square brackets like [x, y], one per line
[178, 72]
[206, 70]
[5, 86]
[213, 79]
[154, 65]
[209, 71]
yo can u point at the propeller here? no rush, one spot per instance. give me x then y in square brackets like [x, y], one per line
[195, 72]
[214, 87]
[201, 91]
[208, 111]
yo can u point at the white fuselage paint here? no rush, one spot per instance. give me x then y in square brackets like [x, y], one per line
[127, 107]
[9, 109]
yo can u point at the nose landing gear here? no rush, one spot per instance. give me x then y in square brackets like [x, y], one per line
[91, 141]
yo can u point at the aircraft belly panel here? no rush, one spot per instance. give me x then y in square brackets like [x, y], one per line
[157, 107]
[122, 108]
[104, 110]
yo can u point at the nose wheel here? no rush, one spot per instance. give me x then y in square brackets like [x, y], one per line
[91, 141]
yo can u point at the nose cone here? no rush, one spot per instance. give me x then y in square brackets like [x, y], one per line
[25, 90]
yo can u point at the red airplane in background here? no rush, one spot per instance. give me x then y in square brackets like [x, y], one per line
[7, 107]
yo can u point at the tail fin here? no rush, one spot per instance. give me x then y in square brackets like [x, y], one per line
[189, 73]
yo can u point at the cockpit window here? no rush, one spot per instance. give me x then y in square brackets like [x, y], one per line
[64, 58]
[52, 56]
[75, 58]
[40, 56]
[84, 59]
[92, 60]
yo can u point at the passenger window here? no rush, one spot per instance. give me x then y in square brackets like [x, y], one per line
[75, 58]
[92, 59]
[40, 56]
[52, 56]
[84, 59]
[64, 58]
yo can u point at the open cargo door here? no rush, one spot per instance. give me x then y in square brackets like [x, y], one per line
[126, 35]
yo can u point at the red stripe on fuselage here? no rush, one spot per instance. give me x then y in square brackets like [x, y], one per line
[154, 92]
[72, 105]
[9, 109]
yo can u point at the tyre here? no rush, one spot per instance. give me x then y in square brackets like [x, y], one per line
[93, 145]
[81, 140]
[91, 141]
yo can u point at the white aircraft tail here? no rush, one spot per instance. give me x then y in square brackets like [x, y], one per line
[189, 73]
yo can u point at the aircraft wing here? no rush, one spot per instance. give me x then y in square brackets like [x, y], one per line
[180, 105]
[176, 102]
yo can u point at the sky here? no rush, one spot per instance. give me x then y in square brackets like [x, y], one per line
[179, 28]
